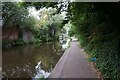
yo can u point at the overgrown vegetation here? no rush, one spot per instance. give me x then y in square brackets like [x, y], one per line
[45, 27]
[97, 27]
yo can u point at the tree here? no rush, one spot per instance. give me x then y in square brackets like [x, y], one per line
[49, 22]
[13, 14]
[96, 25]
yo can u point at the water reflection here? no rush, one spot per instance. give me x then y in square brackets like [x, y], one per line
[21, 61]
[40, 72]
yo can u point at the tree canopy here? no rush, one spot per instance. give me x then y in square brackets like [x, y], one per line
[97, 27]
[13, 14]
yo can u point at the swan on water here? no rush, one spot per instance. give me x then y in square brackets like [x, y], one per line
[40, 72]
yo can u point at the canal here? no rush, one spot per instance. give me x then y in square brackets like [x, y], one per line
[30, 61]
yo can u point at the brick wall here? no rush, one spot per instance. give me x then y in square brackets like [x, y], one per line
[10, 33]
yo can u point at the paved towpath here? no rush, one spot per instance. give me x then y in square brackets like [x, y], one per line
[73, 64]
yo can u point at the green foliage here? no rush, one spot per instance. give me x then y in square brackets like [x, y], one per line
[30, 22]
[18, 42]
[49, 24]
[39, 5]
[13, 14]
[72, 30]
[96, 25]
[46, 28]
[13, 43]
[35, 41]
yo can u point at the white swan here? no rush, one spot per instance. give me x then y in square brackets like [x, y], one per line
[38, 65]
[40, 72]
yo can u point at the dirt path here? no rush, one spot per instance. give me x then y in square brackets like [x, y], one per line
[73, 64]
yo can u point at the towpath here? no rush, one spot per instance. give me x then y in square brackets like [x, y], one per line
[73, 64]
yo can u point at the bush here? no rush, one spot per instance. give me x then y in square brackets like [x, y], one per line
[98, 31]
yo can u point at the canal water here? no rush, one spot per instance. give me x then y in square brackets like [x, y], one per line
[30, 61]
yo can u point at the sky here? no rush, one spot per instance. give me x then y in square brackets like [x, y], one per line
[35, 13]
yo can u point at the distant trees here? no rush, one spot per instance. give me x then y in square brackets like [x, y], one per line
[49, 23]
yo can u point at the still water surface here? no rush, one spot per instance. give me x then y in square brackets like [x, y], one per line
[21, 62]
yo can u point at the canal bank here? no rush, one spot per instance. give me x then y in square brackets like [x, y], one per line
[73, 64]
